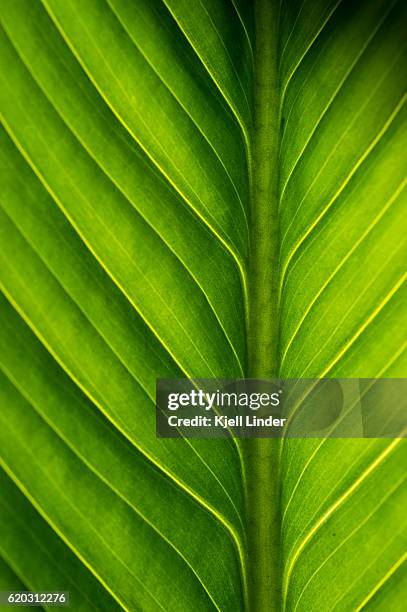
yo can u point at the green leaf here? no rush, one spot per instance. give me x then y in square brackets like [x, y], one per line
[199, 189]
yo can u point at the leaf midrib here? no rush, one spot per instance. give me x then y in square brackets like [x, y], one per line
[262, 489]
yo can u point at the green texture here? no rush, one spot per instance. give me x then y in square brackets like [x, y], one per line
[198, 189]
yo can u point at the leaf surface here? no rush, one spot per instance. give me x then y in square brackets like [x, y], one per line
[182, 179]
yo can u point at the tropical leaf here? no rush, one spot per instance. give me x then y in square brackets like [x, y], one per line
[199, 189]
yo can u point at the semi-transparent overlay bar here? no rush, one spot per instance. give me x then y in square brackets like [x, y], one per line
[290, 408]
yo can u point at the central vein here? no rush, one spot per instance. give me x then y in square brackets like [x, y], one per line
[262, 491]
